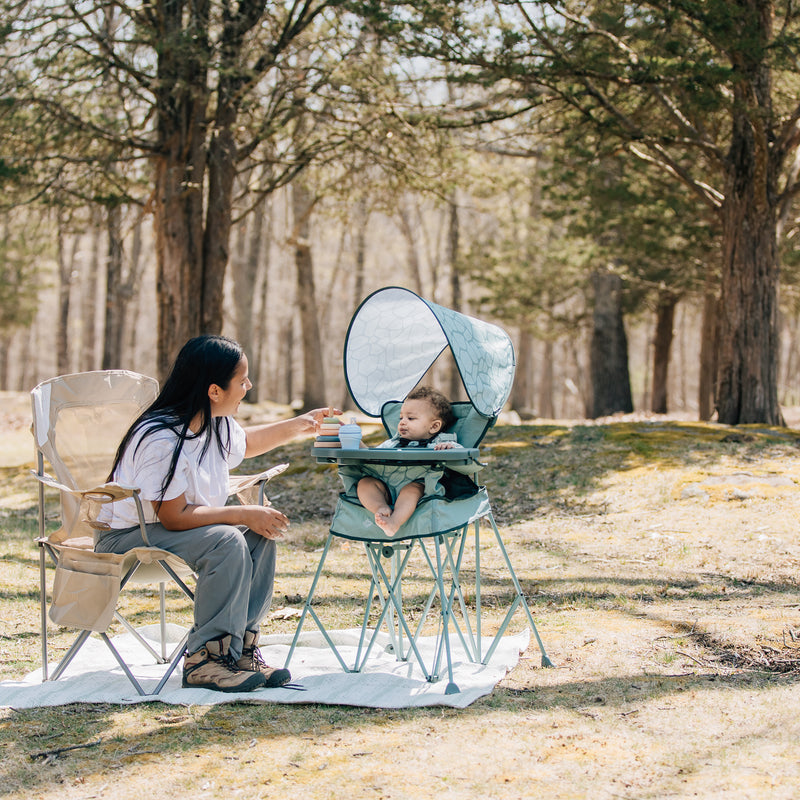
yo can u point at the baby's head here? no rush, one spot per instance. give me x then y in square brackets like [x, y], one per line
[424, 413]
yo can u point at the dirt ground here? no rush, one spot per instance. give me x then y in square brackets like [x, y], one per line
[661, 561]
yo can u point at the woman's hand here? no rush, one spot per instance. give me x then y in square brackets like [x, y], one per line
[266, 521]
[311, 420]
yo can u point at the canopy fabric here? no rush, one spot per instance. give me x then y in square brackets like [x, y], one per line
[395, 336]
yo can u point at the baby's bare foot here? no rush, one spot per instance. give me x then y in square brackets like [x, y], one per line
[388, 525]
[382, 516]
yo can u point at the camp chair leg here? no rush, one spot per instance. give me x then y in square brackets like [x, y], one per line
[446, 603]
[139, 638]
[162, 619]
[397, 647]
[471, 647]
[43, 610]
[477, 529]
[177, 578]
[359, 663]
[307, 604]
[176, 657]
[393, 599]
[122, 664]
[391, 602]
[455, 590]
[374, 551]
[70, 654]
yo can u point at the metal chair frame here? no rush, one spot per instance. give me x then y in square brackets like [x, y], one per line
[444, 564]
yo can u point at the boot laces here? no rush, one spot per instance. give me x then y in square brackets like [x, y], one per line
[227, 661]
[256, 659]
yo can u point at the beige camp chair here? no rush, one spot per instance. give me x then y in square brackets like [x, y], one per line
[78, 423]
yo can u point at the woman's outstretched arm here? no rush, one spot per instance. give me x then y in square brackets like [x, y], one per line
[262, 438]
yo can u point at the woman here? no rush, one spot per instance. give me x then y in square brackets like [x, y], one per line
[179, 453]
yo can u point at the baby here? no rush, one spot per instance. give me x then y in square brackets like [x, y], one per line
[424, 415]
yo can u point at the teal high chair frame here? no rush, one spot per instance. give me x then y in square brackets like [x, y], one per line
[439, 528]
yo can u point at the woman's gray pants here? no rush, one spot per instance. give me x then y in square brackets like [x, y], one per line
[235, 575]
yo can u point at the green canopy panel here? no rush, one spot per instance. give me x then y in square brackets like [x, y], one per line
[395, 336]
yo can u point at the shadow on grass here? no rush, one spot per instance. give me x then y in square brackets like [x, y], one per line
[85, 741]
[530, 469]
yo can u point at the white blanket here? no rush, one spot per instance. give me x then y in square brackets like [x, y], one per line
[95, 677]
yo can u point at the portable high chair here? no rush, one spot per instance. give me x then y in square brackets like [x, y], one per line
[78, 423]
[393, 339]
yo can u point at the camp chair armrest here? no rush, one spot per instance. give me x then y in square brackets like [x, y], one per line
[249, 489]
[104, 493]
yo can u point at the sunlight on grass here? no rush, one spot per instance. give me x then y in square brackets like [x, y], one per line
[672, 619]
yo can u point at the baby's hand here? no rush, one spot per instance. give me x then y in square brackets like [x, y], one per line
[445, 446]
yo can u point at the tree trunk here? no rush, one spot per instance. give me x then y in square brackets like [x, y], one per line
[259, 251]
[456, 385]
[116, 301]
[216, 239]
[181, 103]
[245, 273]
[89, 296]
[708, 355]
[789, 369]
[662, 345]
[362, 219]
[134, 295]
[611, 388]
[522, 390]
[407, 229]
[313, 362]
[747, 377]
[65, 264]
[6, 338]
[546, 407]
[30, 372]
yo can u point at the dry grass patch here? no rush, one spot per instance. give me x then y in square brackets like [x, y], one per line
[661, 562]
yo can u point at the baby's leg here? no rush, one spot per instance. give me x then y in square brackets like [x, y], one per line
[374, 496]
[407, 499]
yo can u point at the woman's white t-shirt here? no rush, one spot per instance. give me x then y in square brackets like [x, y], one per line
[202, 477]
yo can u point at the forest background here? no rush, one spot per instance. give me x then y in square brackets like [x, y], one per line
[614, 184]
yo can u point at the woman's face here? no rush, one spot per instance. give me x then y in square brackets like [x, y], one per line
[225, 402]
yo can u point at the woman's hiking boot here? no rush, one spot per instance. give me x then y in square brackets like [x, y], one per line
[252, 660]
[213, 667]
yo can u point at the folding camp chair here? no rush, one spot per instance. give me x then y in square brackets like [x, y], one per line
[392, 341]
[78, 423]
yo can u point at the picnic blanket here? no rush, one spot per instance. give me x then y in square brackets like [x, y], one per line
[95, 677]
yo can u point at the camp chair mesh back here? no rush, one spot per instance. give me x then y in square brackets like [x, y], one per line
[78, 423]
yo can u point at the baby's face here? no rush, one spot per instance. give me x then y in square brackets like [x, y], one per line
[418, 420]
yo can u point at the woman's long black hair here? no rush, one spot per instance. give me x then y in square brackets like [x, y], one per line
[202, 361]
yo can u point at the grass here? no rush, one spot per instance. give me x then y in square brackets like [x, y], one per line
[660, 560]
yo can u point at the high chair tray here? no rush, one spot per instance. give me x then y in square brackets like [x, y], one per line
[385, 455]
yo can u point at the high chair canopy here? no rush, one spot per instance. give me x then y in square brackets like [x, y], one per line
[395, 336]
